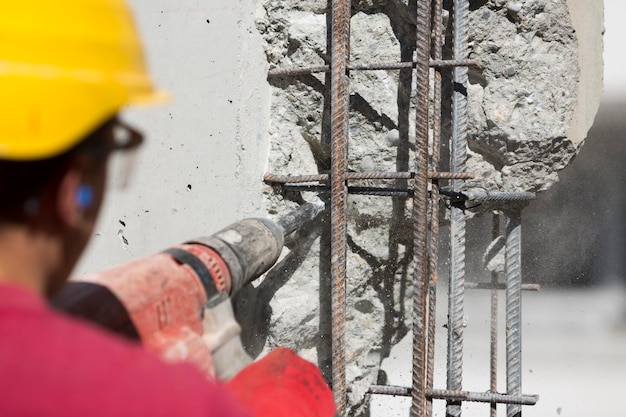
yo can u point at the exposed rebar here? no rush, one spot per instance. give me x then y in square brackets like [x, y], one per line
[513, 274]
[436, 63]
[420, 208]
[373, 191]
[293, 179]
[434, 205]
[451, 175]
[498, 286]
[439, 63]
[339, 103]
[493, 353]
[424, 244]
[498, 196]
[458, 157]
[483, 397]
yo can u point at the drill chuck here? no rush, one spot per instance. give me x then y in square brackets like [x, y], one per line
[252, 246]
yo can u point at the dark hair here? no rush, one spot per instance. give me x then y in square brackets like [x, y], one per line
[22, 180]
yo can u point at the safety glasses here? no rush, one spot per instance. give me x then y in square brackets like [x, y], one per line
[120, 147]
[124, 150]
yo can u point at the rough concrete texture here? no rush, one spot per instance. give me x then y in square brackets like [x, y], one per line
[523, 101]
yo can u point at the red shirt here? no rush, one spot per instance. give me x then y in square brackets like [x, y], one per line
[53, 365]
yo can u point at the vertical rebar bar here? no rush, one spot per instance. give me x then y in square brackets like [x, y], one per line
[458, 154]
[495, 234]
[513, 310]
[420, 208]
[339, 104]
[434, 204]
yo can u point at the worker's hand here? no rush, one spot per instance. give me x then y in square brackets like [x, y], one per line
[283, 385]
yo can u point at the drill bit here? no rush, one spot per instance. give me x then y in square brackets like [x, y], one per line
[293, 220]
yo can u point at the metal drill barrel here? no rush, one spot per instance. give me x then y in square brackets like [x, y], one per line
[293, 220]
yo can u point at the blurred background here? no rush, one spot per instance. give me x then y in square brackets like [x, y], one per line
[575, 232]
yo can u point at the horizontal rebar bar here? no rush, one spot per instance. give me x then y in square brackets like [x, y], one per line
[441, 394]
[298, 185]
[502, 286]
[434, 63]
[288, 179]
[498, 196]
[375, 191]
[484, 397]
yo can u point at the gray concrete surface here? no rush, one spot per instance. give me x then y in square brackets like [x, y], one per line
[206, 150]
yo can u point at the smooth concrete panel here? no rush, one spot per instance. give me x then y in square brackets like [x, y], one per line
[205, 153]
[588, 21]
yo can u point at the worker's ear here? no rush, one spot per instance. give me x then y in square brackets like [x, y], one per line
[74, 197]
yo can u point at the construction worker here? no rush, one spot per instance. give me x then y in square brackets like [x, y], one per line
[67, 67]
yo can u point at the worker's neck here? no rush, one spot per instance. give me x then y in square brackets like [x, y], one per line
[25, 256]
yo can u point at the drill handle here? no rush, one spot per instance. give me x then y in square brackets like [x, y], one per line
[221, 333]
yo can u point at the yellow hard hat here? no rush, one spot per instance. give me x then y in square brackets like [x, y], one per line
[65, 67]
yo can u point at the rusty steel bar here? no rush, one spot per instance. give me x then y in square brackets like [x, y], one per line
[498, 286]
[435, 63]
[381, 192]
[439, 63]
[458, 151]
[513, 261]
[374, 191]
[434, 202]
[293, 71]
[493, 352]
[288, 179]
[451, 175]
[498, 196]
[483, 397]
[339, 104]
[420, 208]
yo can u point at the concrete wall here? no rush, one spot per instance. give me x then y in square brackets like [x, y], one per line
[205, 154]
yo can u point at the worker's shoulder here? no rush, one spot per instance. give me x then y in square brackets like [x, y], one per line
[57, 365]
